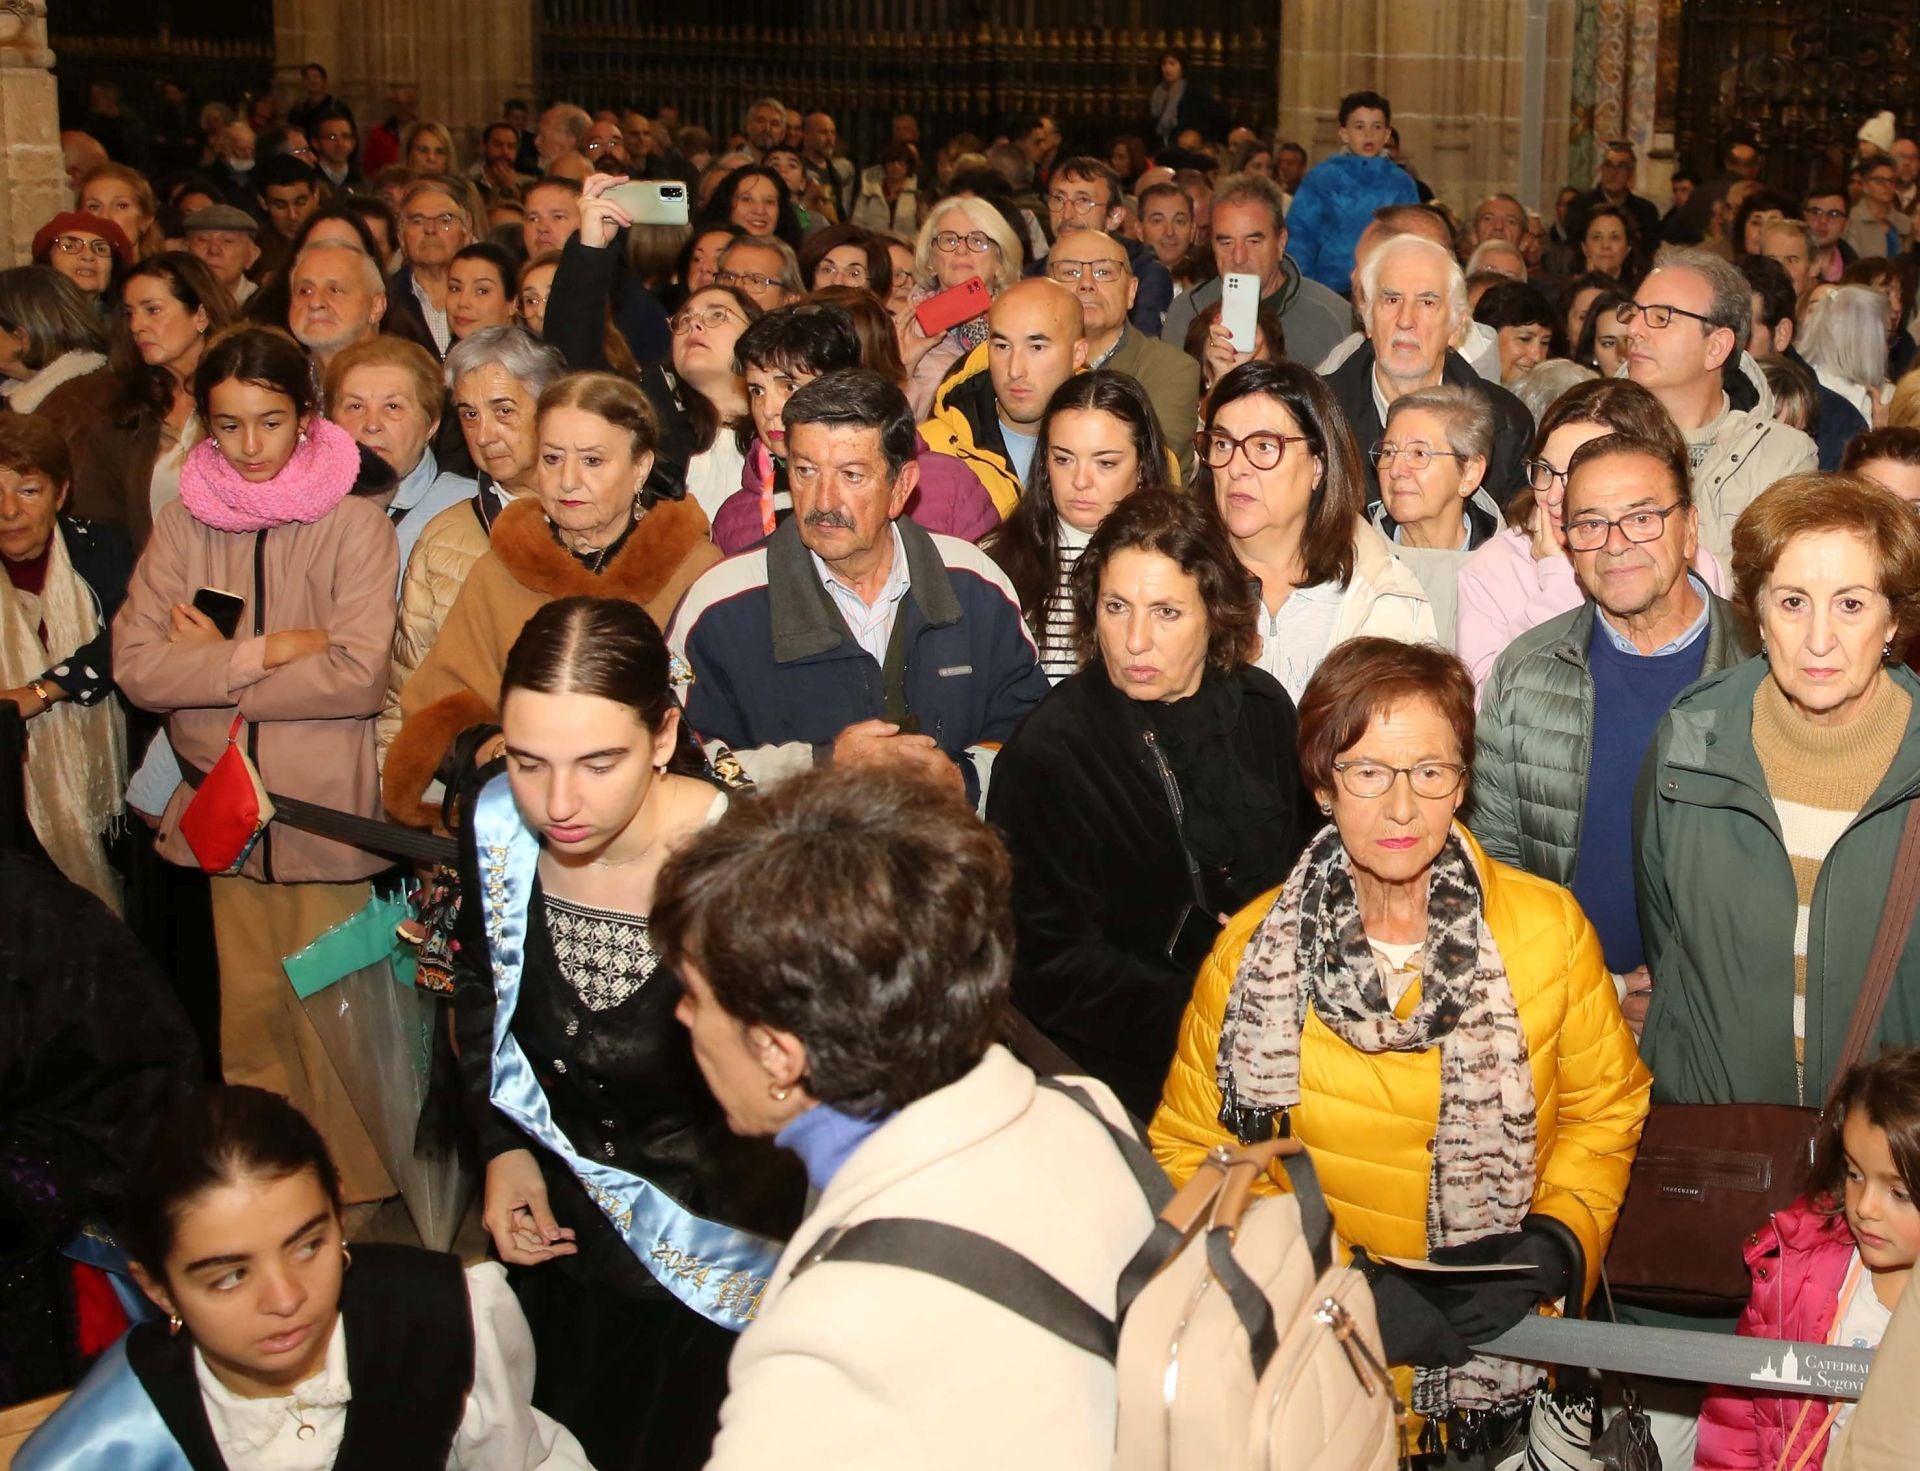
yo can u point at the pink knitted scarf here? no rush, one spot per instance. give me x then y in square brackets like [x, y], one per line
[323, 470]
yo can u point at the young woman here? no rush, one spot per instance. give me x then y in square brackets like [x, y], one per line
[712, 391]
[754, 199]
[282, 1347]
[480, 289]
[1099, 443]
[267, 513]
[608, 1162]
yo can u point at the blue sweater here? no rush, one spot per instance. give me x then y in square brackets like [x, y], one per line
[1631, 692]
[1335, 202]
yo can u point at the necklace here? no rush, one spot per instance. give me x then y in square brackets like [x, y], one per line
[307, 1429]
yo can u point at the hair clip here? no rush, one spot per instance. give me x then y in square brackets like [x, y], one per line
[679, 674]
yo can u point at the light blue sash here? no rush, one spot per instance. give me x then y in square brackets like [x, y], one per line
[715, 1270]
[108, 1421]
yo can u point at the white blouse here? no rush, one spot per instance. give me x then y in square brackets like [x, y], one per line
[500, 1431]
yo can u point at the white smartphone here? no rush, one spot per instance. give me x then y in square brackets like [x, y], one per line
[1239, 309]
[652, 201]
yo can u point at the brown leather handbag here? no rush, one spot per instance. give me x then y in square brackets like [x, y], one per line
[1708, 1175]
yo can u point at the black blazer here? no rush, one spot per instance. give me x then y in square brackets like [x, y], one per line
[1099, 877]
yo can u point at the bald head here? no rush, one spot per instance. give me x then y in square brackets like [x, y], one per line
[1036, 340]
[1096, 268]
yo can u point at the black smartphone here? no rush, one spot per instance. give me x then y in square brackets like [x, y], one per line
[1193, 935]
[224, 608]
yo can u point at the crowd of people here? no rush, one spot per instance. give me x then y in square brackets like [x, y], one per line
[1466, 712]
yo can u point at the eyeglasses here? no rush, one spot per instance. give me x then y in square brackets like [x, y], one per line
[1073, 204]
[336, 137]
[1658, 314]
[1263, 448]
[596, 145]
[1542, 473]
[977, 241]
[746, 279]
[710, 317]
[79, 244]
[531, 298]
[1072, 272]
[1590, 533]
[1430, 779]
[1417, 455]
[1816, 213]
[440, 224]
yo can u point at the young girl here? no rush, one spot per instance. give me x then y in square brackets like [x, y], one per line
[267, 513]
[1831, 1267]
[282, 1348]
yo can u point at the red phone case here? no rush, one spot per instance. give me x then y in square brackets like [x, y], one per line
[953, 306]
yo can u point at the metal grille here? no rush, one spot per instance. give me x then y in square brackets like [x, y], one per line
[956, 64]
[215, 49]
[1801, 74]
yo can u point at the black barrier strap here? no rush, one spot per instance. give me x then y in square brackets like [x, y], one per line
[370, 834]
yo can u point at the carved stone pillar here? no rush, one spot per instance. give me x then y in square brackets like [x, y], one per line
[1454, 71]
[33, 175]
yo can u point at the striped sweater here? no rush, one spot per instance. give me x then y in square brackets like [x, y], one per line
[1819, 777]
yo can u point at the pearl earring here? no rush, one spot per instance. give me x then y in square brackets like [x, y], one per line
[777, 1093]
[174, 1325]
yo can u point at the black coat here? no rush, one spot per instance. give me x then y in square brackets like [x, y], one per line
[1352, 385]
[1099, 879]
[102, 558]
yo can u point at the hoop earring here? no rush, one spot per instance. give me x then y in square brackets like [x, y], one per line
[174, 1325]
[346, 1258]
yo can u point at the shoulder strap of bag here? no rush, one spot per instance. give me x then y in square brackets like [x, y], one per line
[1250, 1304]
[1179, 818]
[979, 1264]
[1889, 943]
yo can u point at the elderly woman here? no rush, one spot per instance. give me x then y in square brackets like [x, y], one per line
[386, 392]
[1890, 458]
[600, 1142]
[1150, 794]
[435, 225]
[847, 255]
[964, 239]
[1844, 340]
[1431, 462]
[65, 579]
[790, 976]
[1279, 468]
[84, 248]
[588, 532]
[1099, 443]
[1521, 576]
[493, 383]
[1772, 803]
[52, 338]
[1438, 1029]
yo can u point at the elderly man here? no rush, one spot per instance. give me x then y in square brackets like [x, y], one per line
[852, 634]
[763, 266]
[1791, 243]
[1087, 195]
[989, 410]
[561, 128]
[819, 145]
[1094, 266]
[1500, 217]
[1249, 234]
[223, 239]
[606, 146]
[764, 126]
[434, 227]
[1686, 322]
[232, 168]
[1415, 305]
[1570, 707]
[337, 298]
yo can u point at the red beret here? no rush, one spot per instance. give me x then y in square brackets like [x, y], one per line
[72, 220]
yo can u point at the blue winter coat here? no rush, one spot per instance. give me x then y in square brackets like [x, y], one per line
[1334, 203]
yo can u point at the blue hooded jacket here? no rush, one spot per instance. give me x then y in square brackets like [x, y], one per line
[1334, 203]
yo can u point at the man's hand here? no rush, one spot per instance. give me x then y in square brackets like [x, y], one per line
[600, 218]
[881, 743]
[1638, 998]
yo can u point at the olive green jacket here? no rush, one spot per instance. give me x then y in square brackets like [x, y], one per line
[1718, 907]
[1533, 742]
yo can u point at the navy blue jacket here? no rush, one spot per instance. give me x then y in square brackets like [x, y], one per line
[774, 665]
[1150, 303]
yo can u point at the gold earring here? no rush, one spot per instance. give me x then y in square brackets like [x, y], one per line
[778, 1094]
[174, 1325]
[346, 1258]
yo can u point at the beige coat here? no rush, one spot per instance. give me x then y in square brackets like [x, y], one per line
[867, 1368]
[1885, 1428]
[311, 721]
[457, 684]
[443, 557]
[1383, 599]
[1750, 451]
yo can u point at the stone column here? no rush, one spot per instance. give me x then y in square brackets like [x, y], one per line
[33, 174]
[1454, 71]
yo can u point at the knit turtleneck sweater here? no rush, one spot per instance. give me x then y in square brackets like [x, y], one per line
[1819, 777]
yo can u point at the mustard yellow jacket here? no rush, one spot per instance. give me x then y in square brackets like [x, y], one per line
[1369, 1119]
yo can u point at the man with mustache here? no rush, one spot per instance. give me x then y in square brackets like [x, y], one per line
[851, 634]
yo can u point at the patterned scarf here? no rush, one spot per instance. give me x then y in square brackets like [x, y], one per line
[1312, 949]
[318, 476]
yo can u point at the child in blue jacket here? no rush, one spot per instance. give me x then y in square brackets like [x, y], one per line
[1336, 200]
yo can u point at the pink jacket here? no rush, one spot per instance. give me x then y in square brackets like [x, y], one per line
[1504, 592]
[1799, 1263]
[311, 721]
[951, 500]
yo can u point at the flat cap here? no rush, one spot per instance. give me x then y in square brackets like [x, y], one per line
[222, 217]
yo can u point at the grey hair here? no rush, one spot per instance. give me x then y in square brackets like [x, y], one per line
[376, 283]
[1799, 229]
[1496, 246]
[1253, 189]
[1465, 411]
[1544, 384]
[514, 351]
[1732, 304]
[760, 102]
[789, 262]
[1400, 245]
[1847, 336]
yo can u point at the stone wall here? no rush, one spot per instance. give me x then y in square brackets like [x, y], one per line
[33, 176]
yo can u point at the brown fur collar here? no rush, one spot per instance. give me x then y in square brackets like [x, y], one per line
[523, 542]
[418, 750]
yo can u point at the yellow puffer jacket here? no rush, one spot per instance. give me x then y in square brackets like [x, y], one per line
[1369, 1119]
[437, 569]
